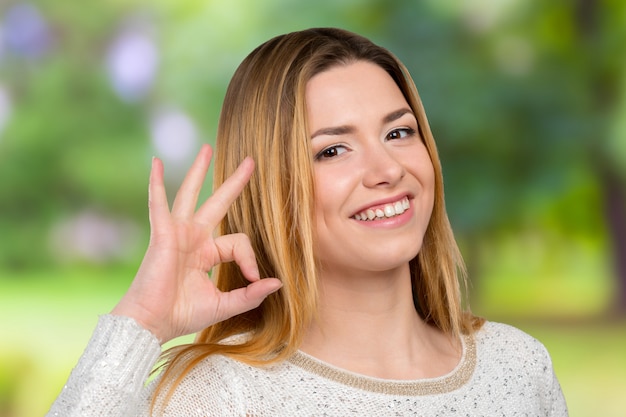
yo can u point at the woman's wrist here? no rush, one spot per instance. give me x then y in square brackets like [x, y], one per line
[133, 312]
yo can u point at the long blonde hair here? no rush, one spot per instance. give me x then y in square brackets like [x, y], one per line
[264, 116]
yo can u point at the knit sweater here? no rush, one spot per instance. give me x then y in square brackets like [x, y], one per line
[502, 372]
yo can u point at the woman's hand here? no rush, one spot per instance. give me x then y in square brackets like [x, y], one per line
[172, 294]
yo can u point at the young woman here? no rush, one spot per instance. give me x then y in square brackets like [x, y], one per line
[336, 280]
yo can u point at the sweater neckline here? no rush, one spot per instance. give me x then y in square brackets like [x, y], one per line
[451, 381]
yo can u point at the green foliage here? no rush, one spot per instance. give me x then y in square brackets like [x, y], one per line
[70, 142]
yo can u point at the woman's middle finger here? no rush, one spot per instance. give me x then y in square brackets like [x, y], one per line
[187, 196]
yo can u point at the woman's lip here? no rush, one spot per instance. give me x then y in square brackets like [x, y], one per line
[381, 203]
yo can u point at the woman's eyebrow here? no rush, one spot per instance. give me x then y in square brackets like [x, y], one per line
[333, 131]
[393, 116]
[343, 130]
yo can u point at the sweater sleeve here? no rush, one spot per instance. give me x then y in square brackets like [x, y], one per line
[551, 397]
[111, 373]
[556, 406]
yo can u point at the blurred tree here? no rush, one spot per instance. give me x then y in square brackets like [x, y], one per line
[601, 40]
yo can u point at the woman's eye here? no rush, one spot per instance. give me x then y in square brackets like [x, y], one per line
[331, 152]
[400, 133]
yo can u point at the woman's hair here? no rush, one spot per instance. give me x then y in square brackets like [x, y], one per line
[264, 116]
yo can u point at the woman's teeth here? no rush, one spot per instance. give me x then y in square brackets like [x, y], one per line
[388, 210]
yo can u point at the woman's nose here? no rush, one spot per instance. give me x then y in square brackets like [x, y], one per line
[382, 168]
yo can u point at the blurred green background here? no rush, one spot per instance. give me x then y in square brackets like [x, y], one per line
[526, 98]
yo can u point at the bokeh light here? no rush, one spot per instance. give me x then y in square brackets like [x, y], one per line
[132, 63]
[25, 31]
[174, 135]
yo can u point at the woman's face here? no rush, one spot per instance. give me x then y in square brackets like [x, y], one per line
[373, 176]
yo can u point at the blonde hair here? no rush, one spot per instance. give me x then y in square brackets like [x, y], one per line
[264, 116]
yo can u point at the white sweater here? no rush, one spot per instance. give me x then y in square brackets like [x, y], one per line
[503, 372]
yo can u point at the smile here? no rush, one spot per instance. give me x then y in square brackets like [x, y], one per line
[386, 211]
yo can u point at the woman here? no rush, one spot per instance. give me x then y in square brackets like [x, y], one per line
[362, 313]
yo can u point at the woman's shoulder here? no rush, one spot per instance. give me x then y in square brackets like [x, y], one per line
[514, 366]
[216, 369]
[214, 386]
[221, 385]
[221, 371]
[511, 347]
[501, 334]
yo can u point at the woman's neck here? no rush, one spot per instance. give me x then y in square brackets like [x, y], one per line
[367, 323]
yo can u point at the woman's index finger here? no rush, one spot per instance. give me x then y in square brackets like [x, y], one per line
[187, 195]
[157, 199]
[216, 206]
